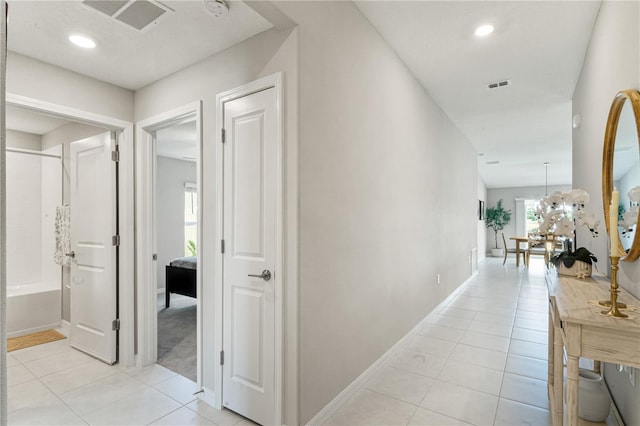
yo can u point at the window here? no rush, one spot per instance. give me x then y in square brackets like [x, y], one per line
[531, 223]
[190, 219]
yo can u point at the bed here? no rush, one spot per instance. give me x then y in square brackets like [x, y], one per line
[181, 278]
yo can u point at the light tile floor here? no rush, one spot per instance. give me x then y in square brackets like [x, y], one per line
[480, 359]
[53, 384]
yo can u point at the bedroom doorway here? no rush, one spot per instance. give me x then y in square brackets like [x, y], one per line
[169, 236]
[176, 212]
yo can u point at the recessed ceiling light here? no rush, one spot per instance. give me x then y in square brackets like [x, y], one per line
[82, 41]
[484, 30]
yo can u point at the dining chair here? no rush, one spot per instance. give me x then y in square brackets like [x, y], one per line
[536, 245]
[511, 250]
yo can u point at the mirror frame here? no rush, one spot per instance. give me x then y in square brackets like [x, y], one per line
[633, 96]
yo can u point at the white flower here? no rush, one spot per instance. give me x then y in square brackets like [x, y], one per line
[556, 213]
[577, 198]
[589, 221]
[628, 222]
[565, 227]
[634, 194]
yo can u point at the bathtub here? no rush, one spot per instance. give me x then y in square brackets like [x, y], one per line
[33, 307]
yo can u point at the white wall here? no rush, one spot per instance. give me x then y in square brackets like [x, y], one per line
[612, 64]
[39, 80]
[22, 140]
[24, 191]
[171, 175]
[388, 199]
[508, 197]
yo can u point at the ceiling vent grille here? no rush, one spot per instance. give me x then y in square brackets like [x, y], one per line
[499, 84]
[138, 14]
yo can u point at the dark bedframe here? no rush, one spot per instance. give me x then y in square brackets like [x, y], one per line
[181, 278]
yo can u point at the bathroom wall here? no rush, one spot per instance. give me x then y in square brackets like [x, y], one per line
[24, 192]
[34, 185]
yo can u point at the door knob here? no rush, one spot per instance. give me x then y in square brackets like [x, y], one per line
[71, 255]
[265, 275]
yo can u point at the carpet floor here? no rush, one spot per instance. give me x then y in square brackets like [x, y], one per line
[177, 335]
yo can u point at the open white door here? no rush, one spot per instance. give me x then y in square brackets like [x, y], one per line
[94, 290]
[249, 278]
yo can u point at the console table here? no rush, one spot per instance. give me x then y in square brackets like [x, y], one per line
[576, 325]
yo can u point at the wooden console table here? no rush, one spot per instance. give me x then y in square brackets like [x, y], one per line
[576, 325]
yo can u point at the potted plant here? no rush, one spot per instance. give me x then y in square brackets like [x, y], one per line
[558, 214]
[565, 262]
[497, 218]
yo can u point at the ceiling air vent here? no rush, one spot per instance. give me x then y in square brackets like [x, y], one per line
[138, 14]
[498, 84]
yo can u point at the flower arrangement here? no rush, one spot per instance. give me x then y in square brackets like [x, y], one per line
[558, 214]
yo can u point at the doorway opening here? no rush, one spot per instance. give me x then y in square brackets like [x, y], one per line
[51, 129]
[176, 212]
[168, 183]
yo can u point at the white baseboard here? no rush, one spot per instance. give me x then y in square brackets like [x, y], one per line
[65, 327]
[324, 414]
[208, 396]
[26, 331]
[161, 290]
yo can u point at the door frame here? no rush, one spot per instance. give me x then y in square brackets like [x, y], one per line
[145, 231]
[271, 81]
[126, 276]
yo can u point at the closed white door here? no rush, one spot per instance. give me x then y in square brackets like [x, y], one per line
[93, 264]
[250, 161]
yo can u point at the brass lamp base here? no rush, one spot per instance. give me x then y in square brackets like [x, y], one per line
[614, 306]
[607, 303]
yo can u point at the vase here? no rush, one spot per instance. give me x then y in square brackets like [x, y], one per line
[593, 399]
[578, 269]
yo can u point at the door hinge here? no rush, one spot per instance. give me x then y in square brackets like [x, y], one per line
[221, 357]
[115, 240]
[222, 246]
[115, 156]
[115, 324]
[224, 136]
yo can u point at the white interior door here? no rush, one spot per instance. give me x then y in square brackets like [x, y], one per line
[93, 266]
[250, 161]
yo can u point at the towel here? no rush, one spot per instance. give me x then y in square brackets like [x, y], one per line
[63, 235]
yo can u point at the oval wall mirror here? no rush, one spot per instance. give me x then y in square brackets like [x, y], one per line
[621, 169]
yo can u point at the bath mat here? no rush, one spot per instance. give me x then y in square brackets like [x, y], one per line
[47, 336]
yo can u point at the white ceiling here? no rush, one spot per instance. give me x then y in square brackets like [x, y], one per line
[538, 45]
[125, 56]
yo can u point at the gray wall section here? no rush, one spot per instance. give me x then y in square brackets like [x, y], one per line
[386, 183]
[612, 64]
[171, 176]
